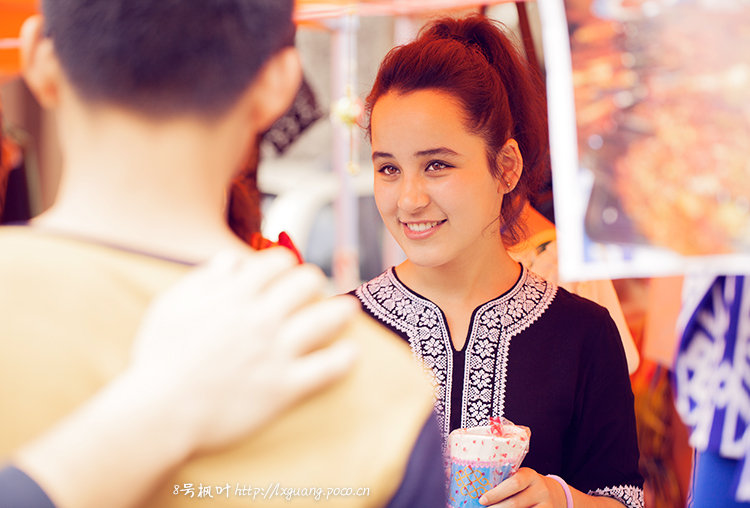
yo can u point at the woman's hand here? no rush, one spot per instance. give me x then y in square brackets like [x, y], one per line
[218, 355]
[528, 488]
[524, 489]
[241, 339]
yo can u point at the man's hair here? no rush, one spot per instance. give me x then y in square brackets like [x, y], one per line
[166, 57]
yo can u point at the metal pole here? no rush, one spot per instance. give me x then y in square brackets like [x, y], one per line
[343, 73]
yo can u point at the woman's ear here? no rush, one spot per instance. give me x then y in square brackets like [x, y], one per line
[275, 87]
[39, 64]
[510, 162]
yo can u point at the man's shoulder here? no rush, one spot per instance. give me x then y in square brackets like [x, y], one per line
[55, 256]
[385, 355]
[354, 438]
[70, 312]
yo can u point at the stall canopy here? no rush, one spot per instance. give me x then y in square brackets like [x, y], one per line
[311, 10]
[14, 12]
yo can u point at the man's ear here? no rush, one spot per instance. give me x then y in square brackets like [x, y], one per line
[510, 162]
[39, 64]
[275, 87]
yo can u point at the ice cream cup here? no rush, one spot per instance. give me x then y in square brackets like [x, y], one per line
[482, 457]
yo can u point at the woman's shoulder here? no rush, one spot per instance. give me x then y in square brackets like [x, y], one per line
[385, 278]
[377, 290]
[579, 305]
[586, 322]
[385, 299]
[577, 316]
[563, 303]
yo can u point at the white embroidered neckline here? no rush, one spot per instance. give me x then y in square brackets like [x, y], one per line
[486, 361]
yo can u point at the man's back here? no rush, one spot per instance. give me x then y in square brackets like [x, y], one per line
[157, 103]
[70, 311]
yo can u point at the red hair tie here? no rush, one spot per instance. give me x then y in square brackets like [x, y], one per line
[258, 242]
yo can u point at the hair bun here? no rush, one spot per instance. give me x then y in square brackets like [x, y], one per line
[471, 31]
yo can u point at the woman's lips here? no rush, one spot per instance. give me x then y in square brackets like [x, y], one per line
[421, 229]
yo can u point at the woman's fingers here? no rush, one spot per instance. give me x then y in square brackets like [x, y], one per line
[245, 326]
[320, 368]
[256, 272]
[524, 489]
[316, 324]
[291, 290]
[507, 488]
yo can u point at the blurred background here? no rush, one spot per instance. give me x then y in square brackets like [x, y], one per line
[311, 177]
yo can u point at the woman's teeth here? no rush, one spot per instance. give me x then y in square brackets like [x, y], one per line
[421, 226]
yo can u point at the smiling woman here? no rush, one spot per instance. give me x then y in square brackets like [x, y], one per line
[433, 187]
[458, 132]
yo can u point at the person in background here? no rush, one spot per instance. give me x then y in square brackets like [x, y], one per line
[156, 103]
[159, 411]
[538, 252]
[458, 131]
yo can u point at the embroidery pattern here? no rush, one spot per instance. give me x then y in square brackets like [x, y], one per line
[493, 326]
[629, 495]
[422, 322]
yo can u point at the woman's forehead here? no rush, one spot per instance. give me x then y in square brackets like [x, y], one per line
[424, 118]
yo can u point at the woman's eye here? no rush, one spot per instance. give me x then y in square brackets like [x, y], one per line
[388, 170]
[436, 166]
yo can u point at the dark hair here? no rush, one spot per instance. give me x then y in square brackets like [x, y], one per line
[473, 60]
[166, 57]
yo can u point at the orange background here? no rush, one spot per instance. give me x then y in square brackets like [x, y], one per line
[14, 12]
[12, 15]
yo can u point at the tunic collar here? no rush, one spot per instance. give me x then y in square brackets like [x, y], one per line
[492, 327]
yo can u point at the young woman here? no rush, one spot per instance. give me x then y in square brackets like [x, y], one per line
[458, 131]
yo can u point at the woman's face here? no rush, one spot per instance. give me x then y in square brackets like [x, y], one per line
[433, 185]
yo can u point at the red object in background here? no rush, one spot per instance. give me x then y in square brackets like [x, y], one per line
[258, 242]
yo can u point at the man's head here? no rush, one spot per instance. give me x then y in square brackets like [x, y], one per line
[165, 57]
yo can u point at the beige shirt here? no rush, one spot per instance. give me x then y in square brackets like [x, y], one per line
[70, 310]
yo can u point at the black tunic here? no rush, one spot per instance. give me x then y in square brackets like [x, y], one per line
[539, 356]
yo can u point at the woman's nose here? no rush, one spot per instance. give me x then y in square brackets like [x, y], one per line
[412, 194]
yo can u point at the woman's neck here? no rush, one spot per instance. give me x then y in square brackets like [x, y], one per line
[460, 288]
[468, 283]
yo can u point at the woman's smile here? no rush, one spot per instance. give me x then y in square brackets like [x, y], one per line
[417, 230]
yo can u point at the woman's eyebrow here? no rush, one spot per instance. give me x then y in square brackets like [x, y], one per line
[381, 155]
[436, 151]
[422, 153]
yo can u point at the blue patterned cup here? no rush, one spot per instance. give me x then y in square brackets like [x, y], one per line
[482, 457]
